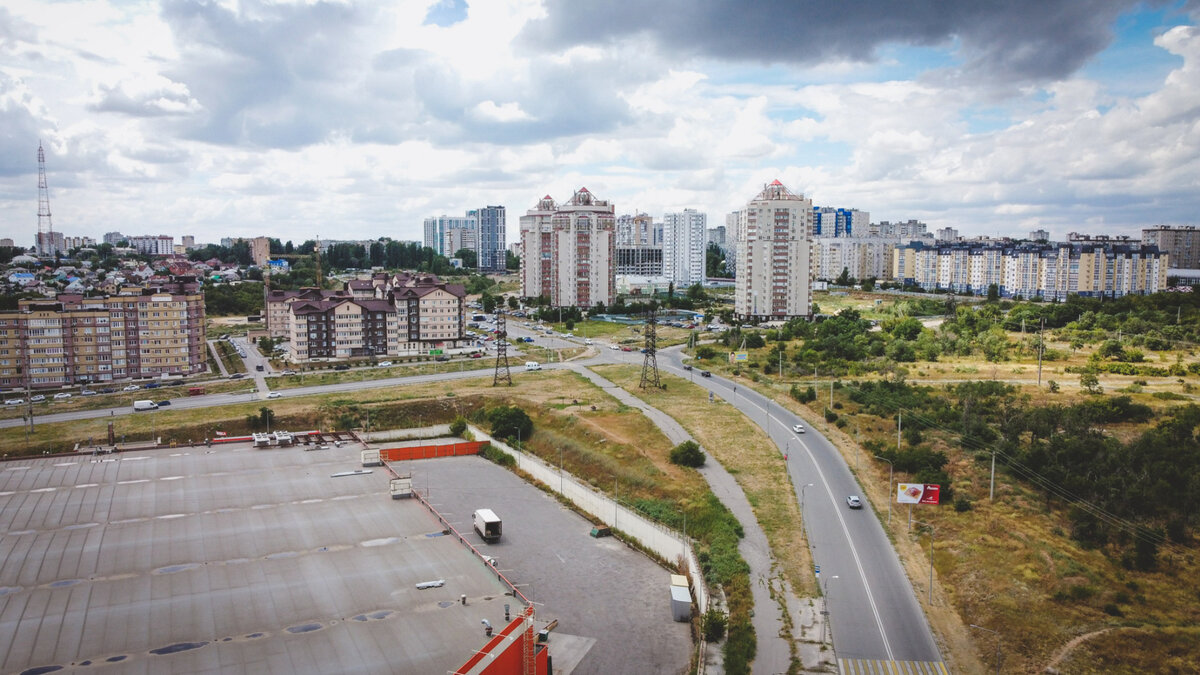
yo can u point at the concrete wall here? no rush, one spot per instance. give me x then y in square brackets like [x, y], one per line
[663, 541]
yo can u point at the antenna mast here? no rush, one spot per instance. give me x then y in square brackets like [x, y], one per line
[45, 233]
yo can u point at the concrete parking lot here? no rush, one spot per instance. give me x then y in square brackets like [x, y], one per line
[229, 560]
[598, 589]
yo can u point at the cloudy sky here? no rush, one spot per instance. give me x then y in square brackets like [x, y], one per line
[349, 119]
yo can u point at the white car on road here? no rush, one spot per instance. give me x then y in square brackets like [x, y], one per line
[798, 428]
[61, 395]
[274, 394]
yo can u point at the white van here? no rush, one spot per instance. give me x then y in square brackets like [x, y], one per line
[532, 365]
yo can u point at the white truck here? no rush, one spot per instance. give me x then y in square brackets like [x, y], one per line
[488, 525]
[145, 404]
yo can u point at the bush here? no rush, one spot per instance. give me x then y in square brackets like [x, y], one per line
[687, 453]
[962, 504]
[830, 416]
[713, 625]
[1111, 609]
[497, 456]
[458, 426]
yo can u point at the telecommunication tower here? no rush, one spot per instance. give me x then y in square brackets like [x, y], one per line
[650, 363]
[502, 375]
[45, 233]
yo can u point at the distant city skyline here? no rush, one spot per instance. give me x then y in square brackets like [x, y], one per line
[366, 119]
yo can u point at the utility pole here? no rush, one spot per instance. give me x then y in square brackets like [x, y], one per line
[891, 475]
[1040, 349]
[899, 422]
[992, 487]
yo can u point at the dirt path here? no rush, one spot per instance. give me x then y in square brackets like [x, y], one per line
[1065, 650]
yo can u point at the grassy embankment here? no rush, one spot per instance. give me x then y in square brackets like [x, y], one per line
[1010, 564]
[746, 452]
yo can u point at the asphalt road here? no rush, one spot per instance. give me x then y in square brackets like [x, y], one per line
[873, 607]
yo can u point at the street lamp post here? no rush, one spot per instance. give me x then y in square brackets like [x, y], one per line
[997, 633]
[826, 612]
[891, 475]
[803, 512]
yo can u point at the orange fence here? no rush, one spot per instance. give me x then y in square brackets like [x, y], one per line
[431, 451]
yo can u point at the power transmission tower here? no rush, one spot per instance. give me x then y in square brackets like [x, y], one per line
[45, 233]
[650, 363]
[502, 375]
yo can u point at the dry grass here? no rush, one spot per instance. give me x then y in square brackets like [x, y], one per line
[1009, 565]
[746, 452]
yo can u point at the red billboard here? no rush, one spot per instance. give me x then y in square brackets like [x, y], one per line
[917, 493]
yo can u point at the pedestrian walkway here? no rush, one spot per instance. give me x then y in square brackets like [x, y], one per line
[773, 652]
[880, 667]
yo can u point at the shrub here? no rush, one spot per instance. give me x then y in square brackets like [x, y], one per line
[830, 416]
[687, 453]
[497, 456]
[962, 504]
[510, 422]
[458, 426]
[713, 625]
[1112, 610]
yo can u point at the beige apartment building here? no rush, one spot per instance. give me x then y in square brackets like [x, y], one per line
[774, 256]
[76, 340]
[569, 250]
[386, 315]
[1181, 243]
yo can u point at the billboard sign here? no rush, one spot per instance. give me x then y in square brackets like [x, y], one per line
[917, 493]
[739, 357]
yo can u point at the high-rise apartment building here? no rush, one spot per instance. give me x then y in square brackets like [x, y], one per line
[732, 224]
[492, 234]
[774, 270]
[436, 228]
[114, 238]
[141, 332]
[641, 261]
[568, 251]
[867, 257]
[683, 247]
[1039, 235]
[834, 222]
[260, 250]
[947, 234]
[1181, 243]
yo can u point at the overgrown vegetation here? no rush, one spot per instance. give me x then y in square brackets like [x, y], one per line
[687, 453]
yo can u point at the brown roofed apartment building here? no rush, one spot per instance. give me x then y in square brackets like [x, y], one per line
[75, 339]
[387, 315]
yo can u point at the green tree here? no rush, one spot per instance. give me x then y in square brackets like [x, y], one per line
[513, 303]
[1090, 383]
[688, 453]
[470, 259]
[510, 422]
[489, 302]
[993, 293]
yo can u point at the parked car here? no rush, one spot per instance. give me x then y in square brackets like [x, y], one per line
[274, 394]
[854, 502]
[705, 373]
[13, 401]
[798, 428]
[687, 366]
[614, 347]
[87, 392]
[152, 385]
[237, 376]
[61, 396]
[626, 348]
[442, 358]
[163, 403]
[587, 341]
[288, 372]
[342, 367]
[107, 390]
[37, 398]
[383, 364]
[132, 387]
[477, 355]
